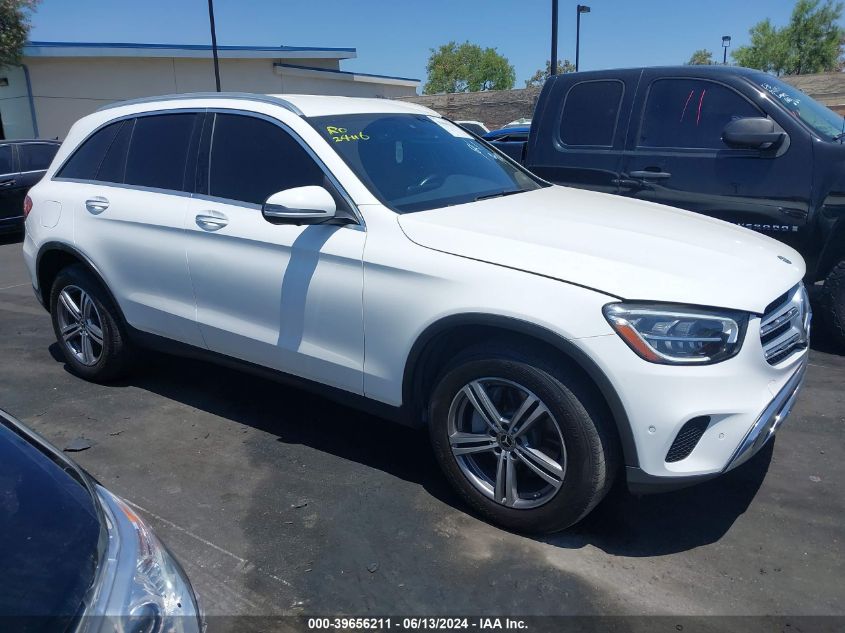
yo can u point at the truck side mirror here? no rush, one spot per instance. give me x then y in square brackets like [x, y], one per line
[752, 132]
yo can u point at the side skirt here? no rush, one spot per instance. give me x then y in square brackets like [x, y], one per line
[168, 346]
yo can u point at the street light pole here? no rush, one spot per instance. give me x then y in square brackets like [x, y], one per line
[553, 63]
[214, 44]
[582, 8]
[726, 41]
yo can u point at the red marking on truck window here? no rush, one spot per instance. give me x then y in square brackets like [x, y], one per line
[700, 103]
[685, 106]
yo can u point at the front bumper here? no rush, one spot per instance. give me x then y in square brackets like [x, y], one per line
[764, 428]
[744, 398]
[770, 419]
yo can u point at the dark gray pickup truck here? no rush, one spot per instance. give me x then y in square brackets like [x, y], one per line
[732, 143]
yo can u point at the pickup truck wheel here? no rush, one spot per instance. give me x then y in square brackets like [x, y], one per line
[524, 447]
[834, 302]
[87, 326]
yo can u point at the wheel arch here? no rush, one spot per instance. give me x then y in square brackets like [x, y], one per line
[52, 258]
[444, 338]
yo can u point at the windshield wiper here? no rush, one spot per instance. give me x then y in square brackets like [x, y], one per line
[839, 137]
[500, 194]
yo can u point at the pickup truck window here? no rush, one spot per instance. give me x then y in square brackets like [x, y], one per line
[822, 119]
[691, 113]
[590, 112]
[413, 162]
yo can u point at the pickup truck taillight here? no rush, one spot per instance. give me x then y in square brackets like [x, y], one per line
[27, 206]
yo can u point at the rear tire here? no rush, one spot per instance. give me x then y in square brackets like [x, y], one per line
[559, 467]
[88, 326]
[834, 303]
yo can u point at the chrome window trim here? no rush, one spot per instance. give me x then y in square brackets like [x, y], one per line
[118, 185]
[284, 103]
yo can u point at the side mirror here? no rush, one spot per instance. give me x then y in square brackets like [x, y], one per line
[752, 132]
[300, 205]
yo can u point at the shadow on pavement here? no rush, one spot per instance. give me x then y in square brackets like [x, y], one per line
[623, 524]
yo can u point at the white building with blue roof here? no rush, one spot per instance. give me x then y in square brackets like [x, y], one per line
[60, 82]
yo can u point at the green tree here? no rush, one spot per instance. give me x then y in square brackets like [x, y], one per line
[810, 43]
[701, 57]
[768, 51]
[539, 78]
[815, 37]
[14, 29]
[467, 68]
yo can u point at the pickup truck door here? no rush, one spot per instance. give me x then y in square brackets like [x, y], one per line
[578, 131]
[676, 156]
[277, 295]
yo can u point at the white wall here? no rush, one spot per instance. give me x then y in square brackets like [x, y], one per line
[66, 89]
[14, 105]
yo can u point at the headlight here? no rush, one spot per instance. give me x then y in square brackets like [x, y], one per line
[676, 334]
[152, 593]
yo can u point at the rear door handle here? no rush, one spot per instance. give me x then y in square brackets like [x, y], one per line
[211, 220]
[8, 183]
[647, 174]
[97, 204]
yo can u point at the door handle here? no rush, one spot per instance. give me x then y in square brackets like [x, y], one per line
[209, 222]
[647, 174]
[8, 183]
[97, 204]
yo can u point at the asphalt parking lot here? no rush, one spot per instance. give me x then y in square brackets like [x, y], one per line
[277, 502]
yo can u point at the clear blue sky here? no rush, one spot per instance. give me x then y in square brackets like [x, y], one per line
[393, 37]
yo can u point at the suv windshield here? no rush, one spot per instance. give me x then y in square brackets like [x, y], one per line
[822, 119]
[413, 162]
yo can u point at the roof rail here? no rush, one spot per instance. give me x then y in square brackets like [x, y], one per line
[284, 103]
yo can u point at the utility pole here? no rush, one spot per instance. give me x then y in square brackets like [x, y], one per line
[581, 8]
[553, 67]
[214, 44]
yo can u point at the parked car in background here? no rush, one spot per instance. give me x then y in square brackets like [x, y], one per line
[76, 558]
[545, 336]
[510, 140]
[22, 164]
[521, 122]
[735, 144]
[476, 127]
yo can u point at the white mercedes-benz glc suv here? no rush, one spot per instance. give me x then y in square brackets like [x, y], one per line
[549, 338]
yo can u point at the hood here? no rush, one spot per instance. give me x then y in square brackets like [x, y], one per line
[51, 532]
[620, 246]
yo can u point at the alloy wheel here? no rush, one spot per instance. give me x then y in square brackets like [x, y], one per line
[80, 325]
[507, 443]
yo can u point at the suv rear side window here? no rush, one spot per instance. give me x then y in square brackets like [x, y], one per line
[36, 156]
[251, 159]
[7, 161]
[158, 151]
[690, 113]
[590, 112]
[86, 160]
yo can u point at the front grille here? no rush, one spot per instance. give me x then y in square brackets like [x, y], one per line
[687, 438]
[785, 326]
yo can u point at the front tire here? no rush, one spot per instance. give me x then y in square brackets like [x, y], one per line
[88, 327]
[526, 444]
[834, 302]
